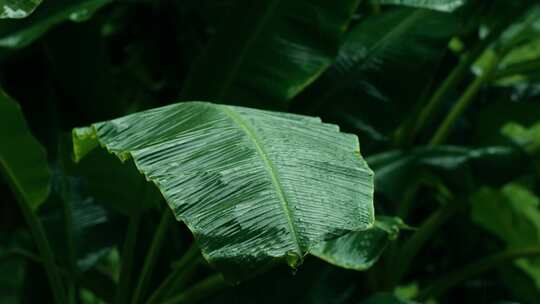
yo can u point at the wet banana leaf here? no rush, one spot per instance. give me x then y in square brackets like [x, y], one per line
[22, 158]
[439, 5]
[17, 8]
[253, 186]
[270, 54]
[359, 250]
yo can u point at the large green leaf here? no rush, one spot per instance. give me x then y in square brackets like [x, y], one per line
[359, 250]
[22, 158]
[17, 8]
[440, 5]
[253, 186]
[268, 51]
[513, 215]
[20, 33]
[385, 64]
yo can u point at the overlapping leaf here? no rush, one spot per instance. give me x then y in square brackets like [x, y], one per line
[267, 56]
[361, 249]
[253, 186]
[22, 158]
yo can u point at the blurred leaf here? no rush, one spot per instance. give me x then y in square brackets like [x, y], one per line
[493, 117]
[385, 298]
[268, 51]
[94, 228]
[395, 169]
[20, 33]
[99, 176]
[528, 139]
[23, 160]
[13, 264]
[513, 215]
[520, 44]
[385, 64]
[439, 5]
[253, 186]
[17, 8]
[359, 250]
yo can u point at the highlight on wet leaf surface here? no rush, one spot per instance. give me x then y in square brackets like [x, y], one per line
[359, 250]
[253, 186]
[16, 9]
[23, 160]
[439, 5]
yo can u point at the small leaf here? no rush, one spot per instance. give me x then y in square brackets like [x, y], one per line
[17, 8]
[23, 160]
[528, 139]
[253, 186]
[359, 250]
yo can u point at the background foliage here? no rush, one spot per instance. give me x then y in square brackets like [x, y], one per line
[443, 95]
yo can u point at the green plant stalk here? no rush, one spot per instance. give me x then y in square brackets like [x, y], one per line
[40, 238]
[402, 260]
[72, 267]
[464, 101]
[45, 251]
[152, 256]
[127, 260]
[201, 290]
[411, 128]
[442, 285]
[178, 277]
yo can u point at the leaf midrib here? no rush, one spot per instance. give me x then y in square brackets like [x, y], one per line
[270, 169]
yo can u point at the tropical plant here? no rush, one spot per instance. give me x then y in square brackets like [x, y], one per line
[157, 151]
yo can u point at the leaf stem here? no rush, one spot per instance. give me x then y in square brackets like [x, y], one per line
[418, 239]
[199, 291]
[178, 277]
[45, 251]
[411, 128]
[152, 256]
[450, 280]
[464, 101]
[127, 260]
[72, 264]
